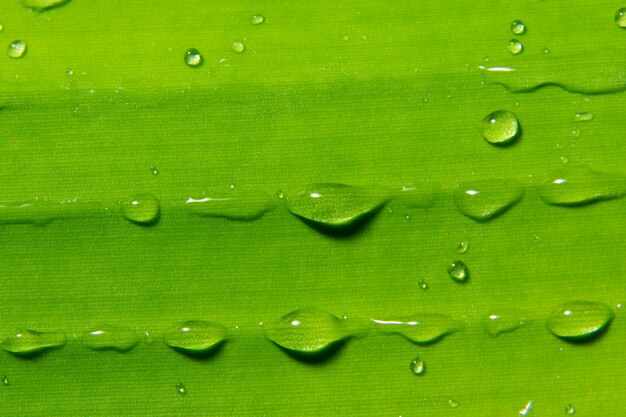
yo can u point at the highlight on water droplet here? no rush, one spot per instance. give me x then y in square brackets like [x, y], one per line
[193, 58]
[422, 328]
[418, 367]
[181, 389]
[32, 342]
[196, 337]
[257, 19]
[578, 186]
[527, 410]
[16, 49]
[462, 247]
[579, 320]
[620, 18]
[238, 47]
[518, 27]
[496, 323]
[1, 28]
[458, 271]
[423, 284]
[515, 47]
[583, 117]
[144, 209]
[570, 410]
[485, 199]
[500, 127]
[308, 331]
[108, 337]
[233, 203]
[41, 5]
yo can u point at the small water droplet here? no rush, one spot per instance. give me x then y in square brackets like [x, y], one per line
[144, 209]
[570, 410]
[257, 19]
[500, 127]
[196, 337]
[423, 284]
[620, 18]
[518, 27]
[5, 380]
[154, 170]
[107, 337]
[458, 271]
[564, 160]
[453, 404]
[579, 320]
[238, 47]
[527, 410]
[69, 71]
[17, 49]
[41, 5]
[462, 247]
[280, 194]
[193, 58]
[583, 117]
[483, 200]
[545, 50]
[418, 367]
[407, 217]
[231, 204]
[31, 342]
[515, 47]
[577, 186]
[574, 133]
[496, 323]
[424, 328]
[181, 389]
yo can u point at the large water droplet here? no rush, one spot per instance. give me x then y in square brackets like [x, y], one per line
[144, 209]
[418, 367]
[16, 49]
[421, 329]
[31, 342]
[307, 331]
[620, 18]
[484, 200]
[193, 58]
[41, 5]
[107, 337]
[231, 204]
[500, 127]
[495, 324]
[579, 320]
[196, 336]
[335, 205]
[238, 47]
[576, 186]
[515, 47]
[257, 19]
[458, 271]
[518, 27]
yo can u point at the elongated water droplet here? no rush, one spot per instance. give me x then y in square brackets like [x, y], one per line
[423, 284]
[458, 271]
[307, 331]
[418, 367]
[496, 323]
[193, 58]
[107, 337]
[484, 200]
[620, 18]
[181, 389]
[196, 336]
[144, 209]
[238, 47]
[583, 117]
[41, 5]
[579, 320]
[500, 127]
[31, 342]
[335, 205]
[518, 27]
[527, 410]
[257, 19]
[577, 186]
[421, 329]
[462, 247]
[515, 47]
[16, 49]
[234, 204]
[570, 410]
[453, 404]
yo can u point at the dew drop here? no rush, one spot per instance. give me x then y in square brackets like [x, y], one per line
[280, 194]
[462, 247]
[69, 72]
[144, 209]
[583, 117]
[579, 320]
[620, 18]
[41, 5]
[108, 337]
[181, 389]
[424, 328]
[17, 49]
[515, 47]
[31, 342]
[154, 170]
[458, 271]
[418, 367]
[545, 50]
[496, 323]
[196, 336]
[518, 27]
[307, 331]
[233, 204]
[570, 410]
[257, 19]
[193, 58]
[453, 404]
[5, 380]
[423, 284]
[500, 127]
[335, 205]
[238, 47]
[486, 199]
[577, 186]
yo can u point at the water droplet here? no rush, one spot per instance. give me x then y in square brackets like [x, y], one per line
[422, 329]
[579, 320]
[69, 71]
[515, 46]
[107, 337]
[1, 28]
[257, 19]
[193, 58]
[154, 170]
[423, 284]
[41, 5]
[181, 389]
[458, 271]
[238, 47]
[335, 205]
[620, 18]
[577, 186]
[418, 367]
[233, 204]
[545, 50]
[463, 247]
[484, 200]
[570, 410]
[196, 336]
[583, 117]
[31, 342]
[518, 27]
[144, 209]
[495, 324]
[307, 331]
[453, 404]
[564, 160]
[5, 380]
[17, 49]
[407, 217]
[280, 194]
[527, 410]
[500, 127]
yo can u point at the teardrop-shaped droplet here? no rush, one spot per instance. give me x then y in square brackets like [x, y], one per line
[501, 127]
[335, 205]
[484, 200]
[31, 342]
[577, 186]
[107, 337]
[418, 367]
[458, 271]
[421, 329]
[307, 331]
[579, 320]
[233, 204]
[496, 323]
[196, 336]
[41, 5]
[16, 49]
[144, 209]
